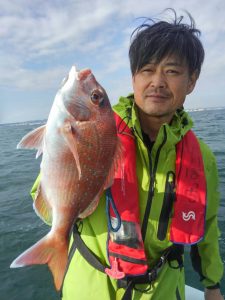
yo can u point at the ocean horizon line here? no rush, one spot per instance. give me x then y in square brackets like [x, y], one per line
[41, 121]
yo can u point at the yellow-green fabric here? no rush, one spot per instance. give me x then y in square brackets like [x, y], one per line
[83, 282]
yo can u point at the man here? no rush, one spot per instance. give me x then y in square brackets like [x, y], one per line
[166, 61]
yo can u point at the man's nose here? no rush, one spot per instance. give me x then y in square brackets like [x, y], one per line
[158, 80]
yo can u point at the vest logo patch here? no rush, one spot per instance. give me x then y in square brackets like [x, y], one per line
[187, 216]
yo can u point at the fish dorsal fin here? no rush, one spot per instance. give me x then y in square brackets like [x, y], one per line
[33, 140]
[70, 135]
[42, 207]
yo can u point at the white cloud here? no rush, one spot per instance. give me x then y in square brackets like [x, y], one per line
[45, 33]
[48, 27]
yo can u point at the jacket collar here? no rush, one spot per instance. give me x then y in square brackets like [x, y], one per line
[180, 125]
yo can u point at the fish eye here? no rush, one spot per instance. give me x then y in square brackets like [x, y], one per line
[97, 97]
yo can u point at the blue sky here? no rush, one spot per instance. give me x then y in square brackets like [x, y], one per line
[41, 40]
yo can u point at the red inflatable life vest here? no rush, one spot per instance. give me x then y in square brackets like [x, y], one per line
[125, 245]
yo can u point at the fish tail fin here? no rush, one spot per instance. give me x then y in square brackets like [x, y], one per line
[46, 251]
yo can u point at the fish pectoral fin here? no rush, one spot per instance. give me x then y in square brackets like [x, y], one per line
[33, 140]
[69, 133]
[42, 207]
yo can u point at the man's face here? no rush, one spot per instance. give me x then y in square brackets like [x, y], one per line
[160, 89]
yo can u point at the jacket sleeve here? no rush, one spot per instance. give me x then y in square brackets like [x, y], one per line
[205, 255]
[35, 187]
[44, 213]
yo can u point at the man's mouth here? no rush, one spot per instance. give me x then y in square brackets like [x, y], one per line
[155, 95]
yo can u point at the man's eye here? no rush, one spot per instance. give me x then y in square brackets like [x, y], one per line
[171, 71]
[147, 70]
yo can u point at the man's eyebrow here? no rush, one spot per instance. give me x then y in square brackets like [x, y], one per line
[169, 63]
[174, 63]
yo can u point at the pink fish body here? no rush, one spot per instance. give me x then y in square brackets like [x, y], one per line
[79, 146]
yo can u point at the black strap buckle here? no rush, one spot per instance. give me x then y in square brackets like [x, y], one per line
[130, 283]
[152, 275]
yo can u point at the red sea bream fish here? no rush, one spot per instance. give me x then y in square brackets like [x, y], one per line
[79, 146]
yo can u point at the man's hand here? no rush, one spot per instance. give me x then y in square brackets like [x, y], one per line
[213, 294]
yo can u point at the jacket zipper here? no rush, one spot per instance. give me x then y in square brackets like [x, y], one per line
[153, 170]
[168, 201]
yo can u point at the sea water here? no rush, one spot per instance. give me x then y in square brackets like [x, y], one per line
[20, 227]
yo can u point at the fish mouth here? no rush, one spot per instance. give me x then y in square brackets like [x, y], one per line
[79, 74]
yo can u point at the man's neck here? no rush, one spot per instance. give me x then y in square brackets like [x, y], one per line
[151, 125]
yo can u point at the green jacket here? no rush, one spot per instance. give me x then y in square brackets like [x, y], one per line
[83, 282]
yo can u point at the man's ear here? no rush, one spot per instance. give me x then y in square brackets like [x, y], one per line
[192, 81]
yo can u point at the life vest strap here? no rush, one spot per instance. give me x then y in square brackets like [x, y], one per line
[88, 255]
[174, 252]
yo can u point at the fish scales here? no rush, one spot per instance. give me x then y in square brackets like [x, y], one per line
[79, 147]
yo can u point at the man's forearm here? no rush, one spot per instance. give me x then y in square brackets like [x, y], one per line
[213, 294]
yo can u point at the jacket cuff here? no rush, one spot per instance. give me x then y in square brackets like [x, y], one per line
[213, 287]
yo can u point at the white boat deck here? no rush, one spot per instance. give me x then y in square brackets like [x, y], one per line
[193, 294]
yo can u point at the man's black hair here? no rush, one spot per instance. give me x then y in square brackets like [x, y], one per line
[153, 41]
